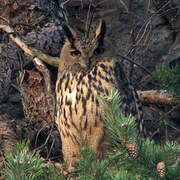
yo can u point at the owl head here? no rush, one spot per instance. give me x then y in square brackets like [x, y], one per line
[79, 51]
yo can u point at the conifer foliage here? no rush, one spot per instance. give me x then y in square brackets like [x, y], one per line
[129, 156]
[168, 78]
[142, 158]
[22, 164]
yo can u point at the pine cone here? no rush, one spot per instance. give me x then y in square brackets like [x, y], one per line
[132, 150]
[160, 168]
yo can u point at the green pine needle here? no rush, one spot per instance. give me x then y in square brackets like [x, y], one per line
[121, 128]
[168, 79]
[22, 164]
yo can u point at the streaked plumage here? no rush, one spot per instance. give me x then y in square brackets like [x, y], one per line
[82, 78]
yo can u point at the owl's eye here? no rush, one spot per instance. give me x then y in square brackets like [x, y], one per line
[99, 50]
[75, 53]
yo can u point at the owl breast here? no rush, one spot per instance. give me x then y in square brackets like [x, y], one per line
[78, 106]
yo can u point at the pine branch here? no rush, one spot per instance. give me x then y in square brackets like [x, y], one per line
[23, 164]
[144, 158]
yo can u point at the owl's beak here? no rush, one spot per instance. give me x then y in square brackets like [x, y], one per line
[85, 63]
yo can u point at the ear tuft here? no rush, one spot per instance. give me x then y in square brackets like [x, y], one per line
[101, 29]
[69, 33]
[100, 32]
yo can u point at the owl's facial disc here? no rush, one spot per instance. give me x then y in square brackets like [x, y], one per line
[80, 50]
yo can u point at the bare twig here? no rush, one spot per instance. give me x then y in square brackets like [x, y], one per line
[166, 122]
[144, 32]
[46, 141]
[101, 2]
[124, 5]
[88, 20]
[37, 135]
[175, 128]
[50, 150]
[145, 24]
[148, 5]
[130, 60]
[63, 3]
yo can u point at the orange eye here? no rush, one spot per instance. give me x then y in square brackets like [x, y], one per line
[75, 53]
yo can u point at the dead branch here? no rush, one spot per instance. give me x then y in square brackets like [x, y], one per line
[147, 97]
[32, 52]
[155, 97]
[53, 61]
[36, 56]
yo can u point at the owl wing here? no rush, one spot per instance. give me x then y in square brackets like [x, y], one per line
[130, 100]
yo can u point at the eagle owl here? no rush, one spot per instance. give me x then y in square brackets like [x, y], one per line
[85, 74]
